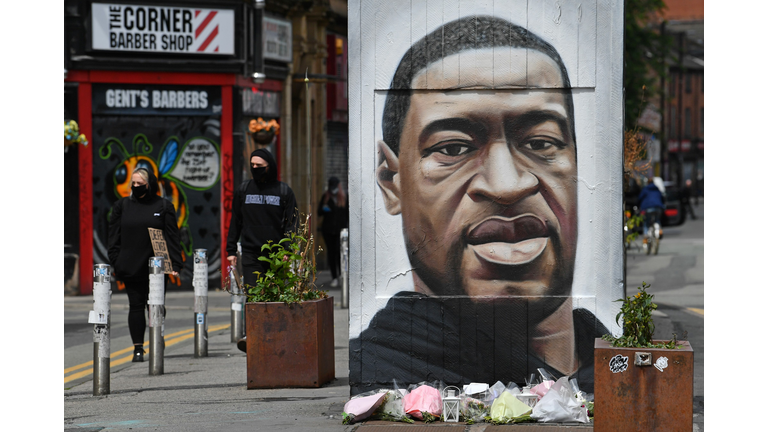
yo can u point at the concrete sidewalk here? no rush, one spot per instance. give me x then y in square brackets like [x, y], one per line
[202, 394]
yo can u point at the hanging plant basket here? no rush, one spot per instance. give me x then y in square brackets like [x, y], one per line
[72, 134]
[263, 137]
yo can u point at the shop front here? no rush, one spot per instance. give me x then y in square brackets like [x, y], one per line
[155, 87]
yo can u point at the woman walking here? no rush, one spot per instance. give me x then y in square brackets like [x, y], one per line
[333, 209]
[130, 247]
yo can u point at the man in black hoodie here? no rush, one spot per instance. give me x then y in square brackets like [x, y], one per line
[263, 209]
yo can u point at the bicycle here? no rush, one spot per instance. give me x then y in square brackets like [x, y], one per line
[653, 234]
[633, 225]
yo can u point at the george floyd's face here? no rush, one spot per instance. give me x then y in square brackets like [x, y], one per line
[486, 183]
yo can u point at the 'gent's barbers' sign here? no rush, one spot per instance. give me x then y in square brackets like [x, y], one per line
[164, 29]
[138, 99]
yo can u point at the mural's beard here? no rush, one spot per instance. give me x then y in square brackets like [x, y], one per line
[450, 281]
[442, 282]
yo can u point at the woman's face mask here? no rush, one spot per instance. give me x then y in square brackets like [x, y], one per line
[139, 186]
[139, 191]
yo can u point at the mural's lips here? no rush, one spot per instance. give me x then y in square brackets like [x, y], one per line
[509, 241]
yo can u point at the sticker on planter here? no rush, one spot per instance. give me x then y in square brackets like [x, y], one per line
[619, 363]
[661, 363]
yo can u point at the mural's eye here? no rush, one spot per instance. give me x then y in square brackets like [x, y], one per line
[144, 164]
[121, 174]
[451, 149]
[539, 144]
[454, 149]
[542, 144]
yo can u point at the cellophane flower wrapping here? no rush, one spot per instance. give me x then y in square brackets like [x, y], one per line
[508, 407]
[392, 407]
[424, 398]
[362, 406]
[473, 409]
[560, 405]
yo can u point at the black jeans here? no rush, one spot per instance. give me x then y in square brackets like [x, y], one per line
[333, 244]
[138, 296]
[251, 264]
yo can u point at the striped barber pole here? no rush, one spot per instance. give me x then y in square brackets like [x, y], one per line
[206, 27]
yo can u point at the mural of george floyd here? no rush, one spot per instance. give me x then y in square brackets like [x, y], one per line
[490, 138]
[176, 132]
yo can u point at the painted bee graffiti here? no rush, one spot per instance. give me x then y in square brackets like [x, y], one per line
[191, 166]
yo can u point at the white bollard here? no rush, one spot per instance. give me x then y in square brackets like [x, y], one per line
[100, 318]
[237, 300]
[344, 268]
[200, 283]
[156, 318]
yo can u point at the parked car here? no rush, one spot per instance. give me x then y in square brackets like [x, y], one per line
[674, 213]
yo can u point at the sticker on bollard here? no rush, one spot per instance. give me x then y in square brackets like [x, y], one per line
[200, 281]
[200, 318]
[97, 318]
[156, 289]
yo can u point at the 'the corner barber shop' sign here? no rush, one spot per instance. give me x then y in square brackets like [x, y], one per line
[165, 29]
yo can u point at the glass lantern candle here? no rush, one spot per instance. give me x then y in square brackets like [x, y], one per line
[451, 403]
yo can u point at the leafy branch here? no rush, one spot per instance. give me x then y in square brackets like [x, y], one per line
[637, 319]
[291, 274]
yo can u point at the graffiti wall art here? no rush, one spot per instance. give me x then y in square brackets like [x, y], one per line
[184, 154]
[490, 136]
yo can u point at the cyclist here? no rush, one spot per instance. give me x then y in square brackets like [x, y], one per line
[651, 201]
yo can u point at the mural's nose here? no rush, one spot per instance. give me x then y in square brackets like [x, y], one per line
[503, 178]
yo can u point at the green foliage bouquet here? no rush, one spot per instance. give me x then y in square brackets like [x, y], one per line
[291, 275]
[636, 314]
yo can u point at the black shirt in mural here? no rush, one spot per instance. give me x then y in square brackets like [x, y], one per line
[130, 247]
[419, 338]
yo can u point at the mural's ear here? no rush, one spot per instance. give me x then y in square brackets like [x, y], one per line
[388, 179]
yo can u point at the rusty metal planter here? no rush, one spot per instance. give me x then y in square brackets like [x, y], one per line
[650, 397]
[290, 345]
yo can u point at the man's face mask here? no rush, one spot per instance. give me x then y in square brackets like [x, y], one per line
[258, 172]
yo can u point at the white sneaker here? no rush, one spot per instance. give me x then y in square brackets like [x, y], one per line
[334, 283]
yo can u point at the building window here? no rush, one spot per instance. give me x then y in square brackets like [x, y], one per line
[687, 130]
[672, 123]
[672, 84]
[688, 83]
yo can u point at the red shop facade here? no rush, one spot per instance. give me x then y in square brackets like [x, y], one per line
[170, 87]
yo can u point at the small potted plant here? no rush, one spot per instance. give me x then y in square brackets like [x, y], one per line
[288, 321]
[642, 383]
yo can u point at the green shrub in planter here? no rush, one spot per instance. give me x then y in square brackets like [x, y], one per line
[636, 314]
[291, 275]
